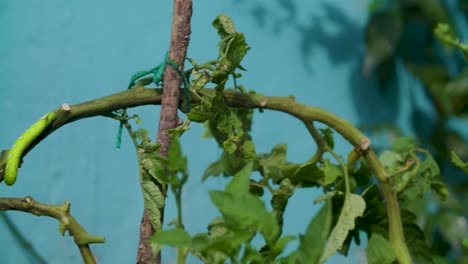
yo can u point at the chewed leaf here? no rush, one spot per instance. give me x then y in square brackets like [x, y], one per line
[237, 49]
[353, 207]
[224, 25]
[155, 168]
[154, 201]
[142, 134]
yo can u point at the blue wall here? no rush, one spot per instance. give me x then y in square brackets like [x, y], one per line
[53, 52]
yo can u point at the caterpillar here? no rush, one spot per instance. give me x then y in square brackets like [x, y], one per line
[15, 153]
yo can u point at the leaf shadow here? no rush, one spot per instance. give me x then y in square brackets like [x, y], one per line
[341, 38]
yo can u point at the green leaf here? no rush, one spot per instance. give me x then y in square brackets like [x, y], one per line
[197, 114]
[353, 207]
[251, 255]
[154, 202]
[308, 172]
[149, 147]
[242, 210]
[459, 163]
[403, 145]
[372, 196]
[220, 242]
[176, 237]
[175, 161]
[232, 48]
[391, 160]
[231, 163]
[233, 208]
[237, 49]
[281, 243]
[230, 124]
[379, 250]
[248, 150]
[215, 169]
[415, 238]
[155, 167]
[219, 77]
[327, 135]
[429, 167]
[426, 178]
[312, 243]
[175, 150]
[229, 146]
[363, 175]
[331, 173]
[178, 131]
[224, 25]
[201, 78]
[276, 156]
[465, 243]
[141, 134]
[240, 183]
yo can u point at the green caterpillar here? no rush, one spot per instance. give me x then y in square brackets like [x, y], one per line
[15, 153]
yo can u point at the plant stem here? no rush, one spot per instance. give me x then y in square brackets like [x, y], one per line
[60, 212]
[181, 255]
[168, 119]
[397, 239]
[86, 255]
[395, 227]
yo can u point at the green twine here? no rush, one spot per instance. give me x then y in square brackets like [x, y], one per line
[158, 73]
[118, 141]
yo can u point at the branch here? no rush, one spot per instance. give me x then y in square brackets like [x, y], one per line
[62, 214]
[168, 119]
[141, 96]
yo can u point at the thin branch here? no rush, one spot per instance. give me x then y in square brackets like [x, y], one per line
[60, 212]
[324, 147]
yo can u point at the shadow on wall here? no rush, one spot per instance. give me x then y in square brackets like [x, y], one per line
[343, 46]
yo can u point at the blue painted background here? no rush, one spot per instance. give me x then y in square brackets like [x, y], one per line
[52, 52]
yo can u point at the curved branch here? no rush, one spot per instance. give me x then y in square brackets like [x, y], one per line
[62, 214]
[147, 96]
